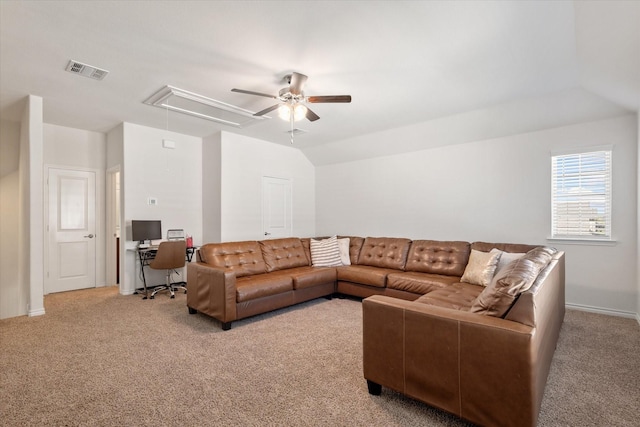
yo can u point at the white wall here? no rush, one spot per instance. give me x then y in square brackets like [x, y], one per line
[494, 190]
[172, 176]
[27, 147]
[114, 156]
[244, 162]
[211, 188]
[13, 295]
[115, 161]
[71, 148]
[31, 205]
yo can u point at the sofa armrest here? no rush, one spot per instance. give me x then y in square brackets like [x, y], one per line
[480, 368]
[211, 291]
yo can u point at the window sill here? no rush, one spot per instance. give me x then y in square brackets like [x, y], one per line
[585, 242]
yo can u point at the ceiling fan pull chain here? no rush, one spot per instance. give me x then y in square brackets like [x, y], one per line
[291, 120]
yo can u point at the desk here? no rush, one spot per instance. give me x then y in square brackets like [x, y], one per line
[147, 254]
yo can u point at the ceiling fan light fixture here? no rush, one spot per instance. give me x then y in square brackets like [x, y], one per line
[299, 112]
[284, 112]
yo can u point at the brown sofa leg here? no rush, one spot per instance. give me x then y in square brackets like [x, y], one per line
[192, 310]
[226, 326]
[374, 388]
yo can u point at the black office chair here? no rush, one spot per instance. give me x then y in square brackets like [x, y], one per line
[170, 256]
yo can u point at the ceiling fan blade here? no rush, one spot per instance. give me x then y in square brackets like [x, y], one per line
[250, 92]
[267, 110]
[297, 82]
[329, 98]
[311, 116]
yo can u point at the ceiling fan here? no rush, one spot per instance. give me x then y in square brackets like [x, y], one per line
[292, 100]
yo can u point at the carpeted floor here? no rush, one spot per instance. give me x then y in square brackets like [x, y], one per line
[101, 359]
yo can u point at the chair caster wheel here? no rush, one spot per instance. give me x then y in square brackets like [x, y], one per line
[173, 296]
[152, 297]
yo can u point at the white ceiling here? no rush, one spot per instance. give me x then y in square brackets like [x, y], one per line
[403, 62]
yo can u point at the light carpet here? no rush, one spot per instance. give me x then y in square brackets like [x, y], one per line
[98, 358]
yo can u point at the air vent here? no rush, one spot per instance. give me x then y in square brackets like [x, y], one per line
[85, 70]
[200, 106]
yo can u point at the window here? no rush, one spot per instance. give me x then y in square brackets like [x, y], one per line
[581, 195]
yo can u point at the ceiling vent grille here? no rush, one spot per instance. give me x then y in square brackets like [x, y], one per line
[85, 70]
[297, 131]
[192, 104]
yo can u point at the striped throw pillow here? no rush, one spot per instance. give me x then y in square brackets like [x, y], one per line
[325, 253]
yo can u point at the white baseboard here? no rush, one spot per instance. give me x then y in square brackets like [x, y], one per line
[607, 311]
[38, 312]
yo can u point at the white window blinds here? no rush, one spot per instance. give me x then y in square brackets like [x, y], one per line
[581, 195]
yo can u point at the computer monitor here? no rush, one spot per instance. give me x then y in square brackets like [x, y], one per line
[142, 230]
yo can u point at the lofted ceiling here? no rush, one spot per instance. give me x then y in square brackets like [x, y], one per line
[404, 63]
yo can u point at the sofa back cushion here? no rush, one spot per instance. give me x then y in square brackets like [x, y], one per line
[306, 245]
[505, 247]
[437, 257]
[280, 254]
[384, 252]
[510, 282]
[243, 258]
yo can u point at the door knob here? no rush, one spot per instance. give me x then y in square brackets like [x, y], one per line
[267, 234]
[89, 236]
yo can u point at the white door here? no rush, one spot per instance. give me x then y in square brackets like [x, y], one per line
[276, 207]
[71, 230]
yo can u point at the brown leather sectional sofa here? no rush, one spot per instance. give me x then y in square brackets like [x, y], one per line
[482, 353]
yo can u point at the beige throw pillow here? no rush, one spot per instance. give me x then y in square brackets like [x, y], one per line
[506, 258]
[343, 244]
[325, 253]
[481, 267]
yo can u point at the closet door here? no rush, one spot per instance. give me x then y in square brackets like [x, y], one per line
[276, 208]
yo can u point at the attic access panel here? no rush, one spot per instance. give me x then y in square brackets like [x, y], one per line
[192, 104]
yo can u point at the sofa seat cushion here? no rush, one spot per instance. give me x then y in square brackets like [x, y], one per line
[364, 275]
[243, 258]
[419, 283]
[280, 254]
[459, 296]
[306, 277]
[438, 257]
[384, 252]
[262, 285]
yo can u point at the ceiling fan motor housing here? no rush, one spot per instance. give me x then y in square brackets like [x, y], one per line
[285, 95]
